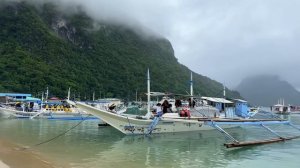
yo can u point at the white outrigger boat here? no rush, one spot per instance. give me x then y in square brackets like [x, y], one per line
[58, 113]
[173, 123]
[35, 108]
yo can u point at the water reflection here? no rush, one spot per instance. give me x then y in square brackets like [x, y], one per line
[91, 146]
[172, 150]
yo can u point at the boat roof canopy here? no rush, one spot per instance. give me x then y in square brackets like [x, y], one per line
[169, 94]
[32, 99]
[158, 94]
[14, 94]
[217, 100]
[278, 105]
[240, 100]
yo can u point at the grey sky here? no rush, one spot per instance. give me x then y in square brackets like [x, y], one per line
[225, 40]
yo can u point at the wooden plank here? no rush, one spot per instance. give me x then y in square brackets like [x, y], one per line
[261, 142]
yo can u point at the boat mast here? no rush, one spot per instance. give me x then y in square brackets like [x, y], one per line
[224, 96]
[148, 95]
[47, 93]
[69, 91]
[136, 95]
[224, 91]
[93, 96]
[191, 89]
[42, 101]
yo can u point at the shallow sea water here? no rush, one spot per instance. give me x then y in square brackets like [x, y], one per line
[88, 146]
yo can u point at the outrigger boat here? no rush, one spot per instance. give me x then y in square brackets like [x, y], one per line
[147, 125]
[55, 109]
[61, 112]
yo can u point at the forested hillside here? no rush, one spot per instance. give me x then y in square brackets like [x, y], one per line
[43, 47]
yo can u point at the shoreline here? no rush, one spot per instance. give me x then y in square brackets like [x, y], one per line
[3, 165]
[12, 156]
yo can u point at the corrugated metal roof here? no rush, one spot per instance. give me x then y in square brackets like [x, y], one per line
[215, 99]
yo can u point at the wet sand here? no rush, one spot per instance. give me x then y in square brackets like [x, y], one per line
[13, 156]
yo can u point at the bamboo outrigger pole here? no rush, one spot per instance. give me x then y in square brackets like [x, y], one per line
[259, 122]
[259, 142]
[265, 141]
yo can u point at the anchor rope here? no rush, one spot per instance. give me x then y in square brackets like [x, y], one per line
[57, 136]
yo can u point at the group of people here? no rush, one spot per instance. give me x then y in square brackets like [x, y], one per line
[163, 108]
[166, 107]
[25, 106]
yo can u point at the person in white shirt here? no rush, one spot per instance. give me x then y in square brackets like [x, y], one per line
[158, 110]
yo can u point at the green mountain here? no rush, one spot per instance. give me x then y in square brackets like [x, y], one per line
[266, 90]
[44, 47]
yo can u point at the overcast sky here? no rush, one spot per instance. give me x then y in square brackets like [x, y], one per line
[225, 40]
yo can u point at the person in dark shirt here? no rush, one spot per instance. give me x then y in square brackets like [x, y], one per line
[165, 106]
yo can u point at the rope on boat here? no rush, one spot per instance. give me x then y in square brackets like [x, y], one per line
[57, 136]
[131, 127]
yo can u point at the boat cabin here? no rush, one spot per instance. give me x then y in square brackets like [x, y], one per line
[229, 108]
[280, 108]
[241, 108]
[219, 103]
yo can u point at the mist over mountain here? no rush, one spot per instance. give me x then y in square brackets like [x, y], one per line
[266, 90]
[42, 46]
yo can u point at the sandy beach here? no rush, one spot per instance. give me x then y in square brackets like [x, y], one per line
[12, 156]
[2, 165]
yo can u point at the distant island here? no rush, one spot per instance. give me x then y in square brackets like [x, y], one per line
[266, 90]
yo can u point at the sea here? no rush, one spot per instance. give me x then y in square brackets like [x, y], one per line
[91, 146]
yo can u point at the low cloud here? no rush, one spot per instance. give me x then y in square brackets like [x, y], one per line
[224, 40]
